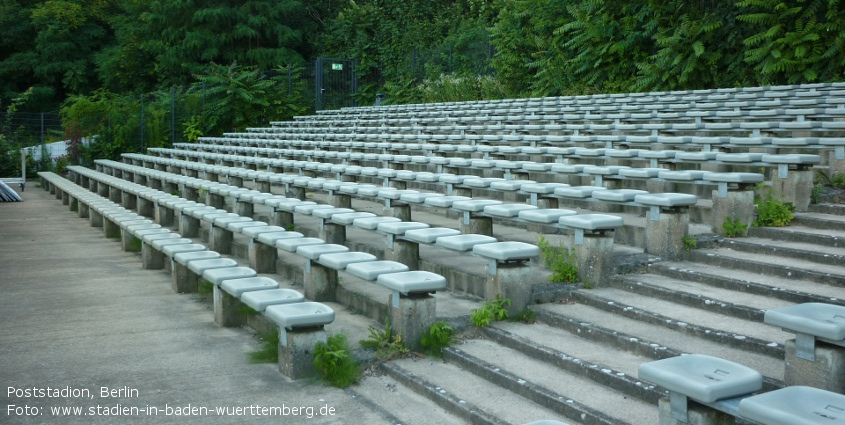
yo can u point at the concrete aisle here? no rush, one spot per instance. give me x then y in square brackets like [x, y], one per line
[77, 313]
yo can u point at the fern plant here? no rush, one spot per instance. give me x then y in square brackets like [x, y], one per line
[437, 337]
[386, 345]
[333, 361]
[791, 39]
[492, 310]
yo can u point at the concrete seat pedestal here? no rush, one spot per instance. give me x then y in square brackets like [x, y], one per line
[300, 329]
[667, 223]
[508, 275]
[411, 309]
[816, 357]
[593, 245]
[332, 232]
[796, 187]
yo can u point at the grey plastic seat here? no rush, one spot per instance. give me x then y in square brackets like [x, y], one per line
[292, 244]
[412, 282]
[818, 319]
[239, 286]
[506, 251]
[159, 244]
[794, 405]
[173, 250]
[474, 205]
[702, 378]
[373, 269]
[270, 238]
[309, 209]
[347, 219]
[666, 199]
[618, 195]
[463, 242]
[592, 222]
[744, 178]
[445, 201]
[300, 315]
[400, 227]
[545, 215]
[340, 260]
[314, 251]
[429, 235]
[254, 232]
[542, 188]
[200, 266]
[372, 223]
[578, 191]
[688, 175]
[261, 299]
[507, 210]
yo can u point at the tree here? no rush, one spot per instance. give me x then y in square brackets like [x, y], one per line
[190, 34]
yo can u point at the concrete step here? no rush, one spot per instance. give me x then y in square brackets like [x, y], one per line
[782, 288]
[771, 265]
[600, 362]
[803, 234]
[464, 394]
[698, 295]
[834, 209]
[820, 221]
[652, 340]
[833, 256]
[400, 404]
[572, 395]
[740, 333]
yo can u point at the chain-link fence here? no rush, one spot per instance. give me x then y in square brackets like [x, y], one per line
[37, 130]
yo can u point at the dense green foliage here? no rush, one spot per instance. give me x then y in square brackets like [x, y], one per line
[98, 56]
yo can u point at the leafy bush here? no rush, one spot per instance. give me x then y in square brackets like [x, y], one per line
[438, 336]
[690, 243]
[334, 362]
[490, 311]
[559, 260]
[734, 228]
[773, 212]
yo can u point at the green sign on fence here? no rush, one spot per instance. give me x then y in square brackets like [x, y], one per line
[337, 67]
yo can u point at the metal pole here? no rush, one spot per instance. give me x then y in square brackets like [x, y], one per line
[43, 147]
[142, 124]
[318, 84]
[23, 169]
[172, 115]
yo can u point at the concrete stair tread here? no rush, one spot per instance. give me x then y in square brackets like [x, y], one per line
[562, 341]
[401, 403]
[777, 283]
[712, 295]
[663, 337]
[776, 244]
[683, 314]
[777, 261]
[840, 220]
[492, 399]
[830, 237]
[570, 386]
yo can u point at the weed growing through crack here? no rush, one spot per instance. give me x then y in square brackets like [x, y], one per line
[334, 363]
[269, 351]
[491, 311]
